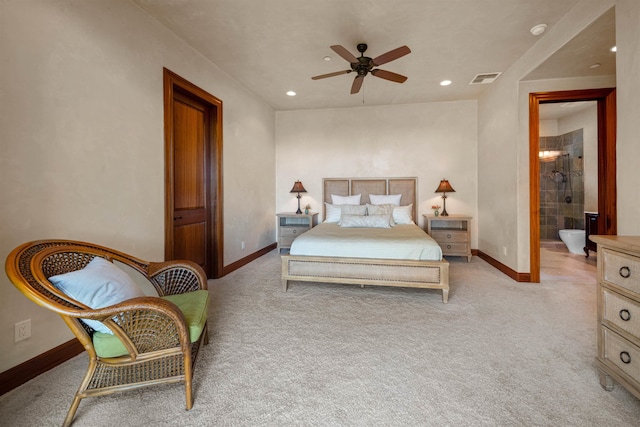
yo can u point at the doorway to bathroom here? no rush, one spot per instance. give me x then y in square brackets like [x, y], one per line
[568, 160]
[559, 170]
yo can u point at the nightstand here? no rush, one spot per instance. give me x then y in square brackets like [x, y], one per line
[291, 225]
[452, 232]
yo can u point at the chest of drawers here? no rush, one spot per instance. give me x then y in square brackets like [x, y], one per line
[618, 327]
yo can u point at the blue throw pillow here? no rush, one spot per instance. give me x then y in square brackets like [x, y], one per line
[99, 284]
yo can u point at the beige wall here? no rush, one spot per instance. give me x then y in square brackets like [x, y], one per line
[503, 194]
[628, 136]
[430, 141]
[548, 128]
[81, 128]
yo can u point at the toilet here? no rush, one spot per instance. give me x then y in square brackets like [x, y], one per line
[574, 240]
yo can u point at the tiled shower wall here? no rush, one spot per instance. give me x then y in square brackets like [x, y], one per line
[556, 212]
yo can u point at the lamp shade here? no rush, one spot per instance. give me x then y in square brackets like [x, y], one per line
[298, 188]
[445, 187]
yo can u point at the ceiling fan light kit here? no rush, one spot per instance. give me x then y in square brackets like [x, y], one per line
[364, 65]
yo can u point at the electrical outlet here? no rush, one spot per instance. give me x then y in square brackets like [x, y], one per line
[242, 245]
[504, 250]
[22, 330]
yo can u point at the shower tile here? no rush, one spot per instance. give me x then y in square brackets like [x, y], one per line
[568, 222]
[577, 164]
[550, 196]
[566, 210]
[543, 142]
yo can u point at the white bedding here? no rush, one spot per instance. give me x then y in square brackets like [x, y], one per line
[405, 241]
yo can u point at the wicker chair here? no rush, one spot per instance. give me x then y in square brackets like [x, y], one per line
[153, 330]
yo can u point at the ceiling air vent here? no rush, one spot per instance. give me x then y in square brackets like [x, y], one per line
[484, 78]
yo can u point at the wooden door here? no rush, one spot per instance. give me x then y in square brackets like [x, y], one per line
[193, 205]
[191, 225]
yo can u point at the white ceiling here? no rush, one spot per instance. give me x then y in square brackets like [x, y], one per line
[278, 45]
[587, 49]
[560, 110]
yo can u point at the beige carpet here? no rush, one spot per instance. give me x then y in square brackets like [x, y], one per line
[500, 353]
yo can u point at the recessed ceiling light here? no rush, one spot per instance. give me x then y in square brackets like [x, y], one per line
[291, 93]
[538, 29]
[596, 65]
[445, 83]
[614, 49]
[327, 58]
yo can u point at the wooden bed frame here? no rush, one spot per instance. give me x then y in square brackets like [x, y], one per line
[367, 271]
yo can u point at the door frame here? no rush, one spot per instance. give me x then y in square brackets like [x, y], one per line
[606, 105]
[172, 83]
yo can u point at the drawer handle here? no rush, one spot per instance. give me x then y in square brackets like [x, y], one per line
[448, 236]
[625, 357]
[448, 246]
[625, 272]
[625, 315]
[294, 231]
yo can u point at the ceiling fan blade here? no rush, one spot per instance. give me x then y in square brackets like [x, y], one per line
[388, 75]
[337, 73]
[391, 55]
[344, 53]
[357, 84]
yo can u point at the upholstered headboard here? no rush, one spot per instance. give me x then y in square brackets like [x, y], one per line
[407, 187]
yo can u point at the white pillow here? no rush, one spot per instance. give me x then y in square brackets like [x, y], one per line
[385, 209]
[100, 284]
[354, 209]
[345, 200]
[403, 214]
[382, 199]
[332, 212]
[369, 221]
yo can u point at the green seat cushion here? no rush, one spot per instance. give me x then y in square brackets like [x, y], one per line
[194, 305]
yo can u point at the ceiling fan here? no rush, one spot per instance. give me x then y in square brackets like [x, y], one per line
[364, 65]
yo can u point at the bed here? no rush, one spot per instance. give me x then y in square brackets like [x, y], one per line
[347, 267]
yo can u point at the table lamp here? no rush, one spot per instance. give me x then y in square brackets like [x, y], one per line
[444, 188]
[298, 188]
